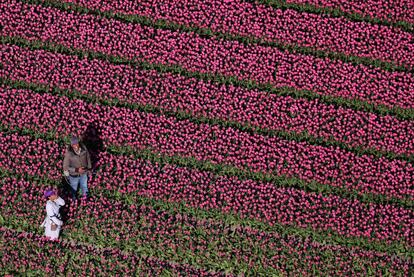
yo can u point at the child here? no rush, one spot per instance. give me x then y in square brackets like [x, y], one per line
[52, 222]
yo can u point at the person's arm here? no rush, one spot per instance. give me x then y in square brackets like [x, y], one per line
[60, 201]
[54, 218]
[66, 164]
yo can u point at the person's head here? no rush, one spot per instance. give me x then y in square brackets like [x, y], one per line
[50, 194]
[74, 143]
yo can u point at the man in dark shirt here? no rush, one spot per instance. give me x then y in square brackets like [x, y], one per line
[76, 164]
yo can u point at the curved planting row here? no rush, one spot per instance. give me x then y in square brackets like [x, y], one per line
[392, 10]
[167, 135]
[173, 235]
[258, 200]
[34, 254]
[178, 93]
[194, 53]
[276, 25]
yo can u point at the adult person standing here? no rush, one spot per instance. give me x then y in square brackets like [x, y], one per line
[76, 164]
[53, 222]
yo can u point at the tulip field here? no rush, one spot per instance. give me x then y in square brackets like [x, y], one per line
[227, 137]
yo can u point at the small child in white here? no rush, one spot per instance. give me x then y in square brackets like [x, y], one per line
[52, 222]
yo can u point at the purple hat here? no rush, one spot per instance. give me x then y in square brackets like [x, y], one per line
[74, 140]
[49, 192]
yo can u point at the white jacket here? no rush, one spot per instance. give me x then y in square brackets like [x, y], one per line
[53, 216]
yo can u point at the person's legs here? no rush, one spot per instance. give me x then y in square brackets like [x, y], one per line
[74, 182]
[84, 184]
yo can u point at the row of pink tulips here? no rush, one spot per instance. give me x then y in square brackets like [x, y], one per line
[392, 10]
[174, 92]
[261, 201]
[145, 226]
[34, 254]
[121, 126]
[207, 55]
[264, 22]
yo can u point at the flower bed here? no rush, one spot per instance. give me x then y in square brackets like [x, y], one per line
[34, 254]
[275, 25]
[194, 53]
[167, 135]
[178, 93]
[228, 138]
[258, 200]
[393, 10]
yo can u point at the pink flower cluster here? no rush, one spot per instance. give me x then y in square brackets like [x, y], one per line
[212, 56]
[167, 135]
[177, 220]
[32, 253]
[169, 232]
[391, 10]
[264, 22]
[43, 155]
[174, 92]
[258, 200]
